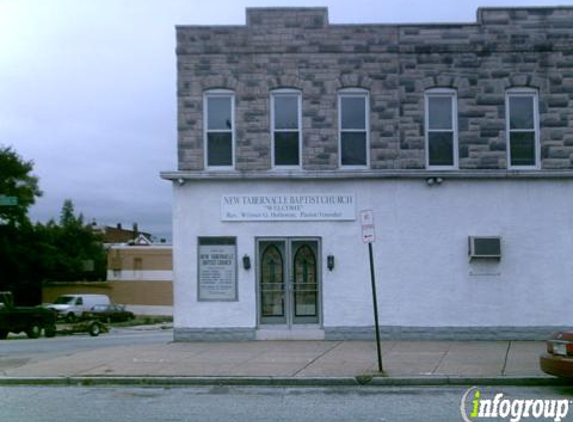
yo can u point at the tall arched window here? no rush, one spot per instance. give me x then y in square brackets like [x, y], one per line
[272, 283]
[305, 287]
[353, 130]
[522, 126]
[441, 123]
[219, 115]
[286, 120]
[305, 265]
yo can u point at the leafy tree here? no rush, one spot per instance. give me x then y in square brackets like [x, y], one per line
[67, 215]
[31, 254]
[16, 180]
[20, 264]
[72, 248]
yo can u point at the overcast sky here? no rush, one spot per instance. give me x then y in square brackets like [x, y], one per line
[87, 91]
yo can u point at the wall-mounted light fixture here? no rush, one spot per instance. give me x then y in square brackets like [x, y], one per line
[434, 181]
[181, 181]
[330, 262]
[246, 262]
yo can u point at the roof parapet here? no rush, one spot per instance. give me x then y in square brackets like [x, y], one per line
[554, 15]
[287, 17]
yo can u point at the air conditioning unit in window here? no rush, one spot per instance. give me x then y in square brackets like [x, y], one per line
[485, 247]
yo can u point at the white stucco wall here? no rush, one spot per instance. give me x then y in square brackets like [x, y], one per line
[424, 276]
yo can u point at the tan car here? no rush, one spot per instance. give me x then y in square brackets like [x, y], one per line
[558, 360]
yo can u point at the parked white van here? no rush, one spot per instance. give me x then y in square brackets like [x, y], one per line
[72, 307]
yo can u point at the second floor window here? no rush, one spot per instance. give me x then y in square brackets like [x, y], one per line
[522, 128]
[353, 127]
[219, 112]
[286, 123]
[441, 129]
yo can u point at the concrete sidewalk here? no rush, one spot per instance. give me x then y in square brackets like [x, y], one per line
[299, 360]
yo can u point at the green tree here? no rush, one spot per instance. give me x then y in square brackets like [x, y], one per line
[68, 217]
[73, 252]
[31, 254]
[17, 180]
[21, 264]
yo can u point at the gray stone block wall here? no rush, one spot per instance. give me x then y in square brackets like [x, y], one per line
[214, 334]
[298, 48]
[442, 333]
[386, 333]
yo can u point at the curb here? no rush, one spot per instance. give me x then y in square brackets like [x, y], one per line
[367, 381]
[537, 381]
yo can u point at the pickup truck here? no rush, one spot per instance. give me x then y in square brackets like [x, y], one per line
[31, 320]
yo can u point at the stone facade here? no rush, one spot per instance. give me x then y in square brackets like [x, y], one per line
[298, 48]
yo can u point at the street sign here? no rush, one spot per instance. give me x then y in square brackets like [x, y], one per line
[368, 229]
[367, 217]
[368, 235]
[8, 201]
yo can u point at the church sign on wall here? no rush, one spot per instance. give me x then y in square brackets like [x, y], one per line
[217, 269]
[289, 207]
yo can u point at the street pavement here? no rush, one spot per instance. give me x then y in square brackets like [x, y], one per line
[215, 403]
[415, 362]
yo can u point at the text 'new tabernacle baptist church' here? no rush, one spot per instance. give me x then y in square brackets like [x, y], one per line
[288, 207]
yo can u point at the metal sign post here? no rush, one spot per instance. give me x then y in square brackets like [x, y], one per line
[369, 236]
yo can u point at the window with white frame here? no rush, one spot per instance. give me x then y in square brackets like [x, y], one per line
[522, 122]
[353, 127]
[219, 117]
[286, 127]
[441, 129]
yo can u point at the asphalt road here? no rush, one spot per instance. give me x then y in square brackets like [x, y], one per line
[252, 404]
[20, 350]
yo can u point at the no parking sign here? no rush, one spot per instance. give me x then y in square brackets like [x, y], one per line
[368, 229]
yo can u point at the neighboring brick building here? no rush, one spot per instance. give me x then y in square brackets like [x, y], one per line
[140, 277]
[118, 234]
[290, 125]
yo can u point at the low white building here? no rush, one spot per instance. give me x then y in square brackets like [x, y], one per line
[428, 286]
[458, 140]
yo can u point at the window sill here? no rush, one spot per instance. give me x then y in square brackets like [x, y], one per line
[300, 174]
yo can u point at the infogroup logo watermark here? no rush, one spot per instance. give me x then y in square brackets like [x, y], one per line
[476, 405]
